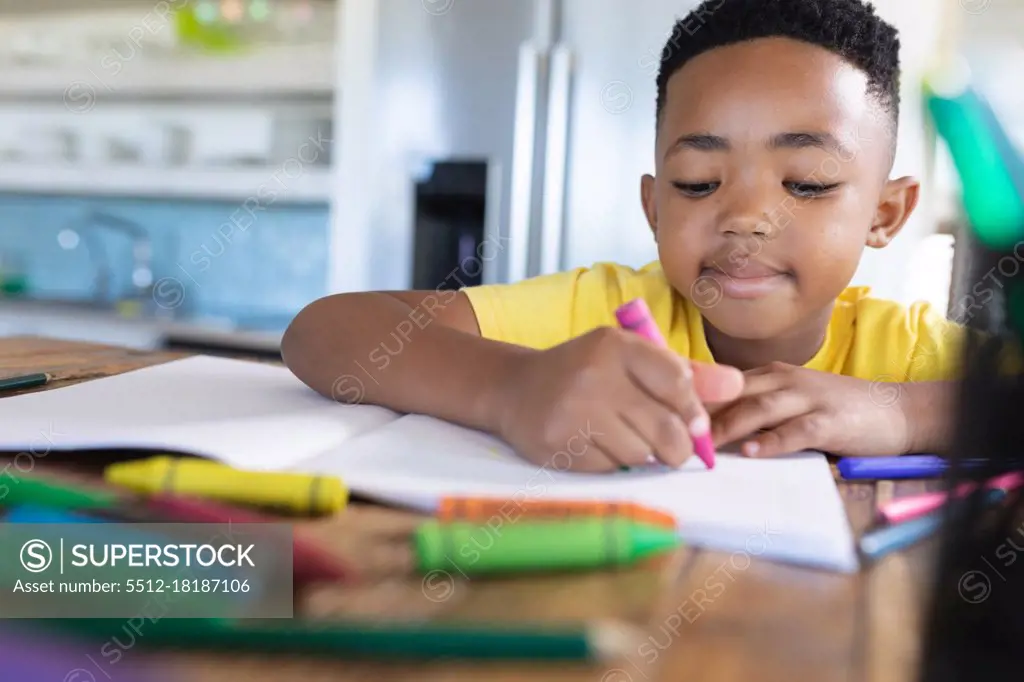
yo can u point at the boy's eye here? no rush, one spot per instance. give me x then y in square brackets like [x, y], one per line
[809, 189]
[696, 189]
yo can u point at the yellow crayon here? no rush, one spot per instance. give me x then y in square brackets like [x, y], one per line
[298, 493]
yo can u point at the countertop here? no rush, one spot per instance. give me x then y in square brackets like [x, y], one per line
[88, 322]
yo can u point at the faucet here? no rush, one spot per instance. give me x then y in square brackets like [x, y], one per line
[142, 252]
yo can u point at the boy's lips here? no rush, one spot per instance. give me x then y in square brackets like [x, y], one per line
[746, 280]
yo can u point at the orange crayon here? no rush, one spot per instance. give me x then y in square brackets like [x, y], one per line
[482, 509]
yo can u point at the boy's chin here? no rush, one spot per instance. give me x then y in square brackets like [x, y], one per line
[746, 322]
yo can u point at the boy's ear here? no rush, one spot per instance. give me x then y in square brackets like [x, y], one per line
[647, 198]
[899, 197]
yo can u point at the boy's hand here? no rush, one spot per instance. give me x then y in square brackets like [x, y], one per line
[606, 399]
[803, 409]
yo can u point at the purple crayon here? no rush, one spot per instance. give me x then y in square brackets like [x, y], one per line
[636, 316]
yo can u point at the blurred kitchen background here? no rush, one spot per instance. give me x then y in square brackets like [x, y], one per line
[190, 173]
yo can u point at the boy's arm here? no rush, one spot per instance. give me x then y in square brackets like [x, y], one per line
[929, 411]
[928, 395]
[410, 351]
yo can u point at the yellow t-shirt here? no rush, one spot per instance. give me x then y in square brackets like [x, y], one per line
[867, 337]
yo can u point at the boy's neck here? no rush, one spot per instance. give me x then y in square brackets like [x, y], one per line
[795, 348]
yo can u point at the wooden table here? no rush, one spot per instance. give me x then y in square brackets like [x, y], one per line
[710, 616]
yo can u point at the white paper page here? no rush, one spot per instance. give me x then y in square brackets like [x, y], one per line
[787, 509]
[245, 414]
[257, 416]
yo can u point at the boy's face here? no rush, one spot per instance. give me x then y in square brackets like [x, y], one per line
[772, 164]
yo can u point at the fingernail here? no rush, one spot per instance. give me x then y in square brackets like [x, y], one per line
[687, 370]
[699, 426]
[751, 448]
[651, 459]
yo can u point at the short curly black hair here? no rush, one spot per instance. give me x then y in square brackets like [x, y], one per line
[849, 28]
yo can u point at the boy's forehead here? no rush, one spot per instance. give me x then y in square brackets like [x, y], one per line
[751, 91]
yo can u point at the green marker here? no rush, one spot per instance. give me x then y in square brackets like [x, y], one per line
[37, 491]
[538, 545]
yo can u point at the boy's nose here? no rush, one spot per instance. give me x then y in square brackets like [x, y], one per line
[747, 207]
[745, 224]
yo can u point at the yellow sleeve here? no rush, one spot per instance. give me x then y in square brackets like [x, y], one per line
[545, 311]
[939, 344]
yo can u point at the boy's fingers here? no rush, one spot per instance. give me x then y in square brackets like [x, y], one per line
[668, 379]
[756, 384]
[765, 410]
[663, 432]
[594, 459]
[624, 444]
[716, 383]
[714, 408]
[792, 436]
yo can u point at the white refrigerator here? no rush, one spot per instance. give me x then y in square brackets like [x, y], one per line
[557, 96]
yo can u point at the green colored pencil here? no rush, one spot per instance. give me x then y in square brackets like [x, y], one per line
[602, 641]
[26, 381]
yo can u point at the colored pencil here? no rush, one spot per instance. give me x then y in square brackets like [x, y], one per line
[912, 507]
[887, 539]
[903, 466]
[25, 381]
[601, 641]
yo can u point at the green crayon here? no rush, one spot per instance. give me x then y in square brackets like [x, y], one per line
[538, 545]
[37, 491]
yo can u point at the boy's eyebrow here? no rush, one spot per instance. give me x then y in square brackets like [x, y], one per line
[799, 140]
[706, 142]
[703, 142]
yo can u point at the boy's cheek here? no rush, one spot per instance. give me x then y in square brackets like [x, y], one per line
[781, 217]
[680, 253]
[820, 245]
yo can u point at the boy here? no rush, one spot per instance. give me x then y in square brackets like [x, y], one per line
[776, 129]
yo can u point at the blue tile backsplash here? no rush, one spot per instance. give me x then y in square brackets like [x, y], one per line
[257, 267]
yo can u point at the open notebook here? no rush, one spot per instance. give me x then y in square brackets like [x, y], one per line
[261, 417]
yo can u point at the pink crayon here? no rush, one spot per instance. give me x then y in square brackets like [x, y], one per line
[915, 506]
[636, 316]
